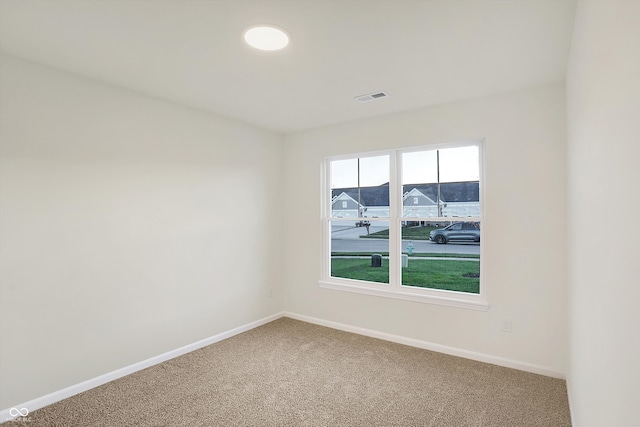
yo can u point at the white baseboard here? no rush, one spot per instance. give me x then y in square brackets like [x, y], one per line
[573, 421]
[40, 402]
[467, 354]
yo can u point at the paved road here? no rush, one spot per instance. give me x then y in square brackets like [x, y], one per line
[348, 240]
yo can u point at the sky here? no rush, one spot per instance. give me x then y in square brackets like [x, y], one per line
[419, 167]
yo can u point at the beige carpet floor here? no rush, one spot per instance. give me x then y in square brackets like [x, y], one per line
[292, 373]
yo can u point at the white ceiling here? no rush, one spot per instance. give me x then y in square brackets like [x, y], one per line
[422, 52]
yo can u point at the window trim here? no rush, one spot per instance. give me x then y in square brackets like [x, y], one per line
[395, 289]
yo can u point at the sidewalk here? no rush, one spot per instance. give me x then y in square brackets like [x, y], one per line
[428, 258]
[353, 232]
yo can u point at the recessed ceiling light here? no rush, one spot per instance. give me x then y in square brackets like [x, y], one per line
[266, 37]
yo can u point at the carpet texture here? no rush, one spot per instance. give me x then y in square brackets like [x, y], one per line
[292, 373]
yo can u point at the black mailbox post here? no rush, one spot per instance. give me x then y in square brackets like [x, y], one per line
[376, 260]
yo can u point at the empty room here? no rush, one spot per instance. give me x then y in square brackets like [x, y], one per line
[319, 213]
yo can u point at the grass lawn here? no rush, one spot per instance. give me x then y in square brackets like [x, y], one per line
[414, 255]
[435, 274]
[410, 233]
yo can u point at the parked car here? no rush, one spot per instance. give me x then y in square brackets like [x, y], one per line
[457, 232]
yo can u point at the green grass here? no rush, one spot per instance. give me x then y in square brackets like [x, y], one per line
[409, 233]
[414, 255]
[434, 274]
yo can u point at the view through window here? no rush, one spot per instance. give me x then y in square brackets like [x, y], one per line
[406, 219]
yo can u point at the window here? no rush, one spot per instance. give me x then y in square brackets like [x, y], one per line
[409, 225]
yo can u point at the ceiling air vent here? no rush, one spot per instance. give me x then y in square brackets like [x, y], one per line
[371, 96]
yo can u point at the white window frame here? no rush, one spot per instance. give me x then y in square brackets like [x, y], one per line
[395, 289]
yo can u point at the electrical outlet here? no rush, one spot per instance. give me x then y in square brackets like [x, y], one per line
[506, 325]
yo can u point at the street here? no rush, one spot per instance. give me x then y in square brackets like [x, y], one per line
[348, 240]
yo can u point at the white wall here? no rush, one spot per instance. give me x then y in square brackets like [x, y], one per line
[525, 247]
[603, 97]
[128, 228]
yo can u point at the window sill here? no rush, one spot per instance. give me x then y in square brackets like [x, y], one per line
[407, 295]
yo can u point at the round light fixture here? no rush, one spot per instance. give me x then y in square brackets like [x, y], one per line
[265, 37]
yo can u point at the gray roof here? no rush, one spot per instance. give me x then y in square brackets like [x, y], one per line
[449, 192]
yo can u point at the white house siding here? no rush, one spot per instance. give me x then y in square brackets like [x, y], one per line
[449, 210]
[461, 209]
[377, 212]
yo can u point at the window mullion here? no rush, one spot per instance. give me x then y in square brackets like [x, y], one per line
[325, 217]
[394, 229]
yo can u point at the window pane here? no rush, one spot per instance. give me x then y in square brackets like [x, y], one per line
[459, 164]
[457, 194]
[419, 191]
[371, 198]
[344, 173]
[374, 186]
[375, 201]
[453, 264]
[344, 188]
[419, 167]
[460, 199]
[360, 250]
[457, 199]
[374, 171]
[344, 203]
[419, 200]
